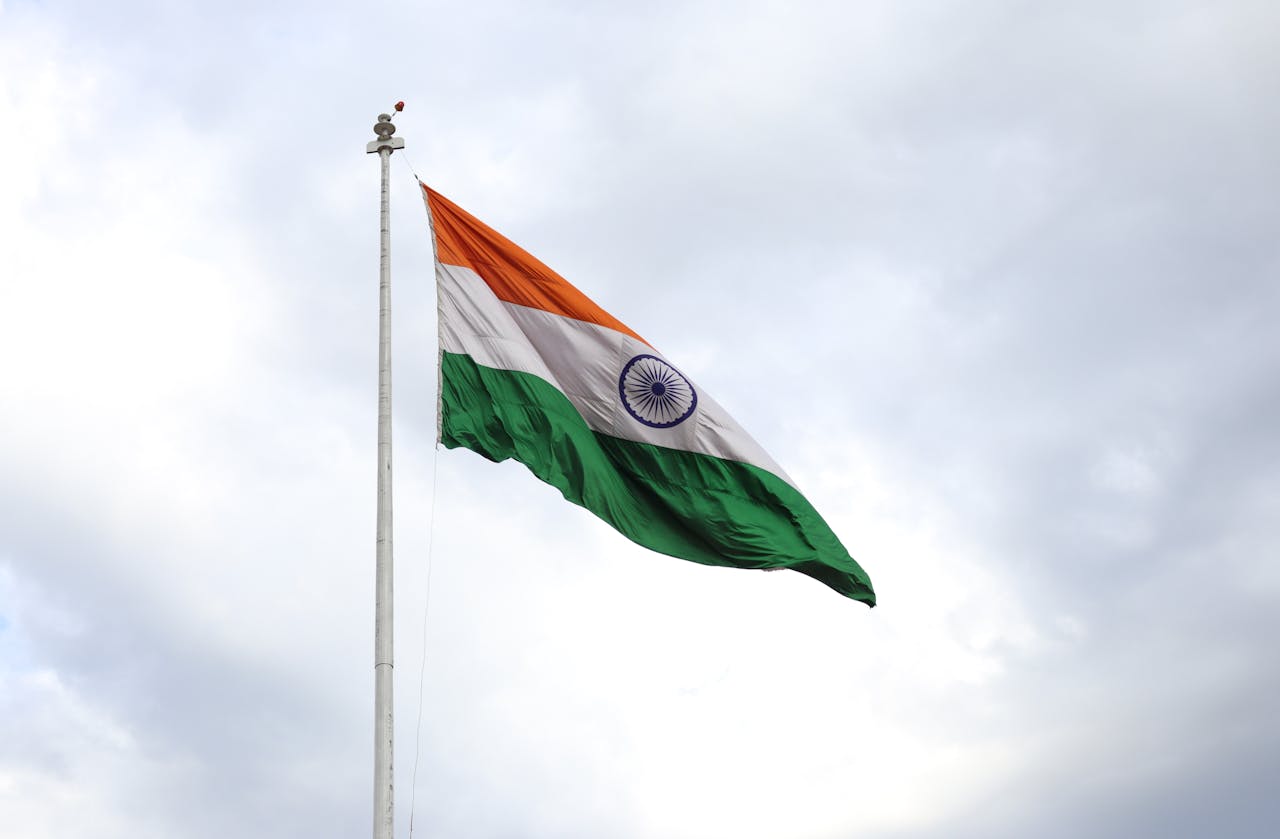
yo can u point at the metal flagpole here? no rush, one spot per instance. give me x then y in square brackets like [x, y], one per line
[383, 730]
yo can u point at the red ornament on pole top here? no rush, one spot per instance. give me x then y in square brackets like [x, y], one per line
[400, 106]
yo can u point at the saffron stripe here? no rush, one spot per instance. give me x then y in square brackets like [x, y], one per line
[514, 275]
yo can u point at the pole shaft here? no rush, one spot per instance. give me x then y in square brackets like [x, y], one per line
[383, 732]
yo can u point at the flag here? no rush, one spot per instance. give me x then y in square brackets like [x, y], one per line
[533, 370]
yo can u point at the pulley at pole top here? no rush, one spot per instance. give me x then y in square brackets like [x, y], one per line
[384, 128]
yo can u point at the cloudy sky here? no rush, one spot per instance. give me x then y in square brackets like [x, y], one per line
[997, 283]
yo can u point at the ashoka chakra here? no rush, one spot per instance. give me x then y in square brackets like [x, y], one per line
[655, 393]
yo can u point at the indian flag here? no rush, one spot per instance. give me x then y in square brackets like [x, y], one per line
[533, 370]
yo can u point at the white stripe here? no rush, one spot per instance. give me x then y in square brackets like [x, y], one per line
[583, 361]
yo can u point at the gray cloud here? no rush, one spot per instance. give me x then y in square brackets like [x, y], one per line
[996, 285]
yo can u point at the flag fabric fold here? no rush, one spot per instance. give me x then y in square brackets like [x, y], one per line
[532, 370]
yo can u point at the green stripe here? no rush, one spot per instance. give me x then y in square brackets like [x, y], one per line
[687, 505]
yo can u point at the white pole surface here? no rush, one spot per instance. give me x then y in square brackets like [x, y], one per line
[383, 728]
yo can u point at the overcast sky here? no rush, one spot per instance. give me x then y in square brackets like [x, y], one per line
[996, 282]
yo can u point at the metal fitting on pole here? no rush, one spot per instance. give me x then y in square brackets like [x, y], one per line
[384, 128]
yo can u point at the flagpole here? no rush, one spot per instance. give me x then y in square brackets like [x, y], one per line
[383, 730]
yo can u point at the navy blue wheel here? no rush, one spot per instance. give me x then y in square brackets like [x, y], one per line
[655, 393]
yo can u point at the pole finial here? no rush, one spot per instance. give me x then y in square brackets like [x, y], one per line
[384, 128]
